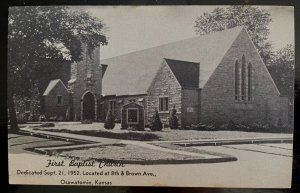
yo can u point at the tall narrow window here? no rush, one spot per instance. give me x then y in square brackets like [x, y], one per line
[243, 77]
[59, 100]
[112, 106]
[237, 79]
[163, 104]
[27, 105]
[249, 81]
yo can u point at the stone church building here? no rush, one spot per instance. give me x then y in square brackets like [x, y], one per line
[213, 78]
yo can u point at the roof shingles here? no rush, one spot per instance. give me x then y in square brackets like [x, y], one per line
[133, 73]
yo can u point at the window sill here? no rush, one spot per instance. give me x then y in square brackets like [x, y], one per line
[244, 102]
[131, 123]
[163, 112]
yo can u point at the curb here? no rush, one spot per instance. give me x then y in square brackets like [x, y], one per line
[234, 142]
[56, 137]
[164, 162]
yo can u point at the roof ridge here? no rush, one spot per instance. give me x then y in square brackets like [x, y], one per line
[195, 37]
[50, 86]
[181, 60]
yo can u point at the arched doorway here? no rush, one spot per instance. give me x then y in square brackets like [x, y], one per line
[88, 106]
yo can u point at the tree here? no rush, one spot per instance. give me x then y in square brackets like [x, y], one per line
[173, 120]
[254, 19]
[109, 120]
[155, 122]
[282, 70]
[39, 40]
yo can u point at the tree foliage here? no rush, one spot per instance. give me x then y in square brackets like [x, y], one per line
[254, 19]
[282, 70]
[41, 38]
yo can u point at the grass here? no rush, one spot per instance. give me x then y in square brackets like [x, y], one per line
[173, 135]
[126, 153]
[126, 135]
[169, 135]
[97, 130]
[24, 143]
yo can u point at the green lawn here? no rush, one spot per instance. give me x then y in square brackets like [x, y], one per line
[126, 153]
[25, 143]
[97, 129]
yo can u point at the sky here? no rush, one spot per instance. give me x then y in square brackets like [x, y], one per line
[132, 28]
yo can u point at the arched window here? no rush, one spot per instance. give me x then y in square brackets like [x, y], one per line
[244, 82]
[237, 79]
[249, 81]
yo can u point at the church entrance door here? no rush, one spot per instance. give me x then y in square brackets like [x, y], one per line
[88, 107]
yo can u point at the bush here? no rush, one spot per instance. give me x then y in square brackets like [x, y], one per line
[54, 118]
[231, 125]
[31, 118]
[42, 118]
[47, 125]
[87, 121]
[155, 122]
[109, 121]
[68, 114]
[60, 118]
[173, 120]
[279, 124]
[202, 126]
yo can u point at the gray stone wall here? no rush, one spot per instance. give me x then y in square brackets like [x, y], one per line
[218, 104]
[86, 76]
[50, 101]
[164, 85]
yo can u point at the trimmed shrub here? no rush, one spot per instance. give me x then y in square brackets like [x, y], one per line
[87, 121]
[60, 118]
[42, 118]
[31, 118]
[202, 126]
[231, 125]
[48, 125]
[68, 114]
[279, 124]
[54, 118]
[109, 121]
[173, 120]
[155, 122]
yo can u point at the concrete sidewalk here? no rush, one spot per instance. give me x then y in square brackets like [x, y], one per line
[231, 141]
[70, 136]
[196, 157]
[198, 142]
[99, 141]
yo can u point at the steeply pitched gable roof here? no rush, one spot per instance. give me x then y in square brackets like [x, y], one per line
[133, 73]
[52, 84]
[186, 73]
